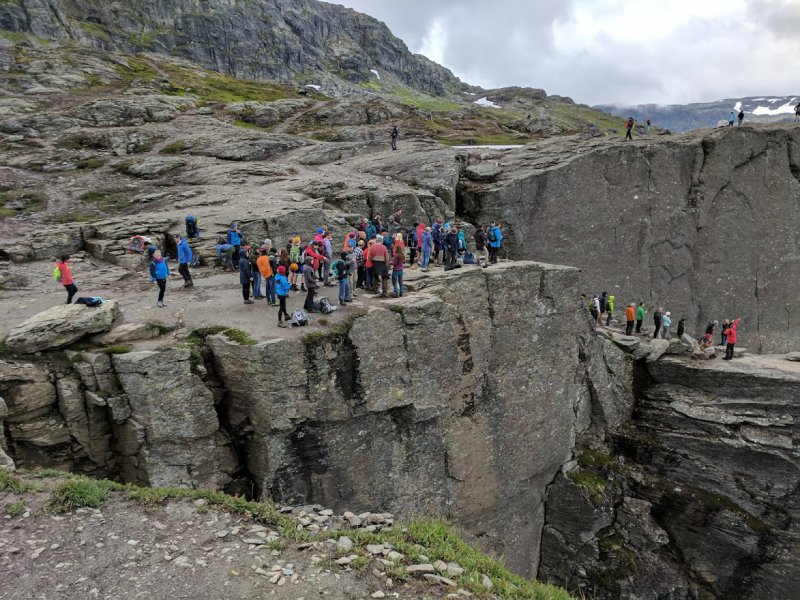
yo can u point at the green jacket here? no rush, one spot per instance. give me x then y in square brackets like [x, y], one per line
[640, 313]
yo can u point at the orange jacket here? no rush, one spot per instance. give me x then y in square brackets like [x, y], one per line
[630, 313]
[731, 332]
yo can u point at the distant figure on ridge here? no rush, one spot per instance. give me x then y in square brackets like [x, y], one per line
[740, 116]
[628, 128]
[731, 118]
[647, 129]
[394, 137]
[797, 112]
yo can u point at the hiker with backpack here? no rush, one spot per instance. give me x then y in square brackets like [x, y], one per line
[184, 259]
[341, 270]
[394, 137]
[245, 275]
[310, 281]
[234, 238]
[610, 312]
[282, 289]
[159, 273]
[63, 275]
[436, 230]
[629, 128]
[266, 267]
[495, 237]
[192, 227]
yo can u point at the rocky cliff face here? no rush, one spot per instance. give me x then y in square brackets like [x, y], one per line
[263, 39]
[704, 225]
[461, 401]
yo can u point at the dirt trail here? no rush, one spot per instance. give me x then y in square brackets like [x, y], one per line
[284, 125]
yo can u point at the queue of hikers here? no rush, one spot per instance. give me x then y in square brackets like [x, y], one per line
[601, 308]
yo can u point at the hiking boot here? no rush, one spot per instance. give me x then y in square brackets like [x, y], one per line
[282, 324]
[248, 302]
[160, 304]
[413, 267]
[342, 302]
[294, 287]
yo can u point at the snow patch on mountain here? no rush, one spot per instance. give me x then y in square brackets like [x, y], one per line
[485, 102]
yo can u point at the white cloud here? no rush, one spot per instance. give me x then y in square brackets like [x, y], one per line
[603, 51]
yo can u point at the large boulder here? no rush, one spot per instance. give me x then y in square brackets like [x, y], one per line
[60, 326]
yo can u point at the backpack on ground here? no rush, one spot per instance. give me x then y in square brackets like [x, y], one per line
[192, 227]
[89, 300]
[325, 306]
[195, 262]
[299, 318]
[469, 258]
[57, 274]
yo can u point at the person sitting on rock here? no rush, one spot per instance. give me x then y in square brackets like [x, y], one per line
[234, 238]
[707, 346]
[225, 254]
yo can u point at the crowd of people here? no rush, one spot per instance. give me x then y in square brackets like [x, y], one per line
[601, 307]
[369, 256]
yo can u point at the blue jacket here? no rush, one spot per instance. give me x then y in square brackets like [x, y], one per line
[234, 239]
[371, 231]
[731, 117]
[436, 231]
[281, 285]
[222, 249]
[499, 236]
[184, 252]
[245, 274]
[159, 270]
[666, 321]
[427, 242]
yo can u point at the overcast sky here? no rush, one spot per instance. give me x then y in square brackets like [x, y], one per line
[608, 51]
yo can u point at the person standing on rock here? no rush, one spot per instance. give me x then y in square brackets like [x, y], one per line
[398, 264]
[723, 337]
[740, 116]
[159, 272]
[603, 306]
[666, 321]
[264, 266]
[184, 259]
[657, 321]
[480, 246]
[731, 118]
[594, 307]
[310, 280]
[427, 248]
[640, 312]
[681, 327]
[647, 128]
[630, 316]
[343, 278]
[711, 327]
[245, 276]
[797, 112]
[412, 243]
[394, 137]
[610, 313]
[282, 289]
[629, 128]
[65, 277]
[730, 335]
[495, 237]
[379, 256]
[234, 238]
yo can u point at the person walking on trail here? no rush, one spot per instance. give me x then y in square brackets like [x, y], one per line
[640, 312]
[495, 237]
[740, 116]
[282, 289]
[666, 321]
[310, 280]
[184, 259]
[610, 313]
[629, 128]
[630, 317]
[63, 274]
[730, 335]
[731, 118]
[245, 275]
[594, 307]
[657, 321]
[159, 272]
[394, 137]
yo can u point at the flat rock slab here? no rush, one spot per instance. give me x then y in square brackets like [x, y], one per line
[483, 173]
[60, 326]
[793, 356]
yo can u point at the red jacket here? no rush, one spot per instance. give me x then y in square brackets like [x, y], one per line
[66, 274]
[310, 251]
[730, 332]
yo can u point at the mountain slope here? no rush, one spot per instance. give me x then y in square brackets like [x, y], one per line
[282, 40]
[684, 117]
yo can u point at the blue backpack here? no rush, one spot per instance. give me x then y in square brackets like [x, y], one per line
[192, 229]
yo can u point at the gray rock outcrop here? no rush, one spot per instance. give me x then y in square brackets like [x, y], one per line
[60, 326]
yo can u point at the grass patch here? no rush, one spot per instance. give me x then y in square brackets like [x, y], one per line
[14, 484]
[112, 199]
[175, 147]
[90, 163]
[15, 509]
[80, 492]
[32, 201]
[592, 484]
[248, 125]
[74, 216]
[240, 337]
[415, 99]
[336, 334]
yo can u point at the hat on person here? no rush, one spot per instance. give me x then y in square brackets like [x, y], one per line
[668, 313]
[351, 243]
[296, 239]
[282, 270]
[268, 242]
[378, 238]
[320, 230]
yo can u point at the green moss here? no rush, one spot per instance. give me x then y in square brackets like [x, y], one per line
[336, 334]
[175, 147]
[74, 216]
[15, 509]
[248, 125]
[371, 85]
[33, 201]
[416, 99]
[198, 336]
[118, 350]
[90, 163]
[591, 483]
[109, 200]
[240, 337]
[15, 485]
[719, 502]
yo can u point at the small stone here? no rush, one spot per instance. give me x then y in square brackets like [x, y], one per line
[375, 548]
[345, 543]
[37, 552]
[440, 580]
[378, 594]
[421, 568]
[394, 556]
[454, 570]
[200, 502]
[255, 541]
[440, 566]
[159, 525]
[345, 560]
[487, 583]
[222, 534]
